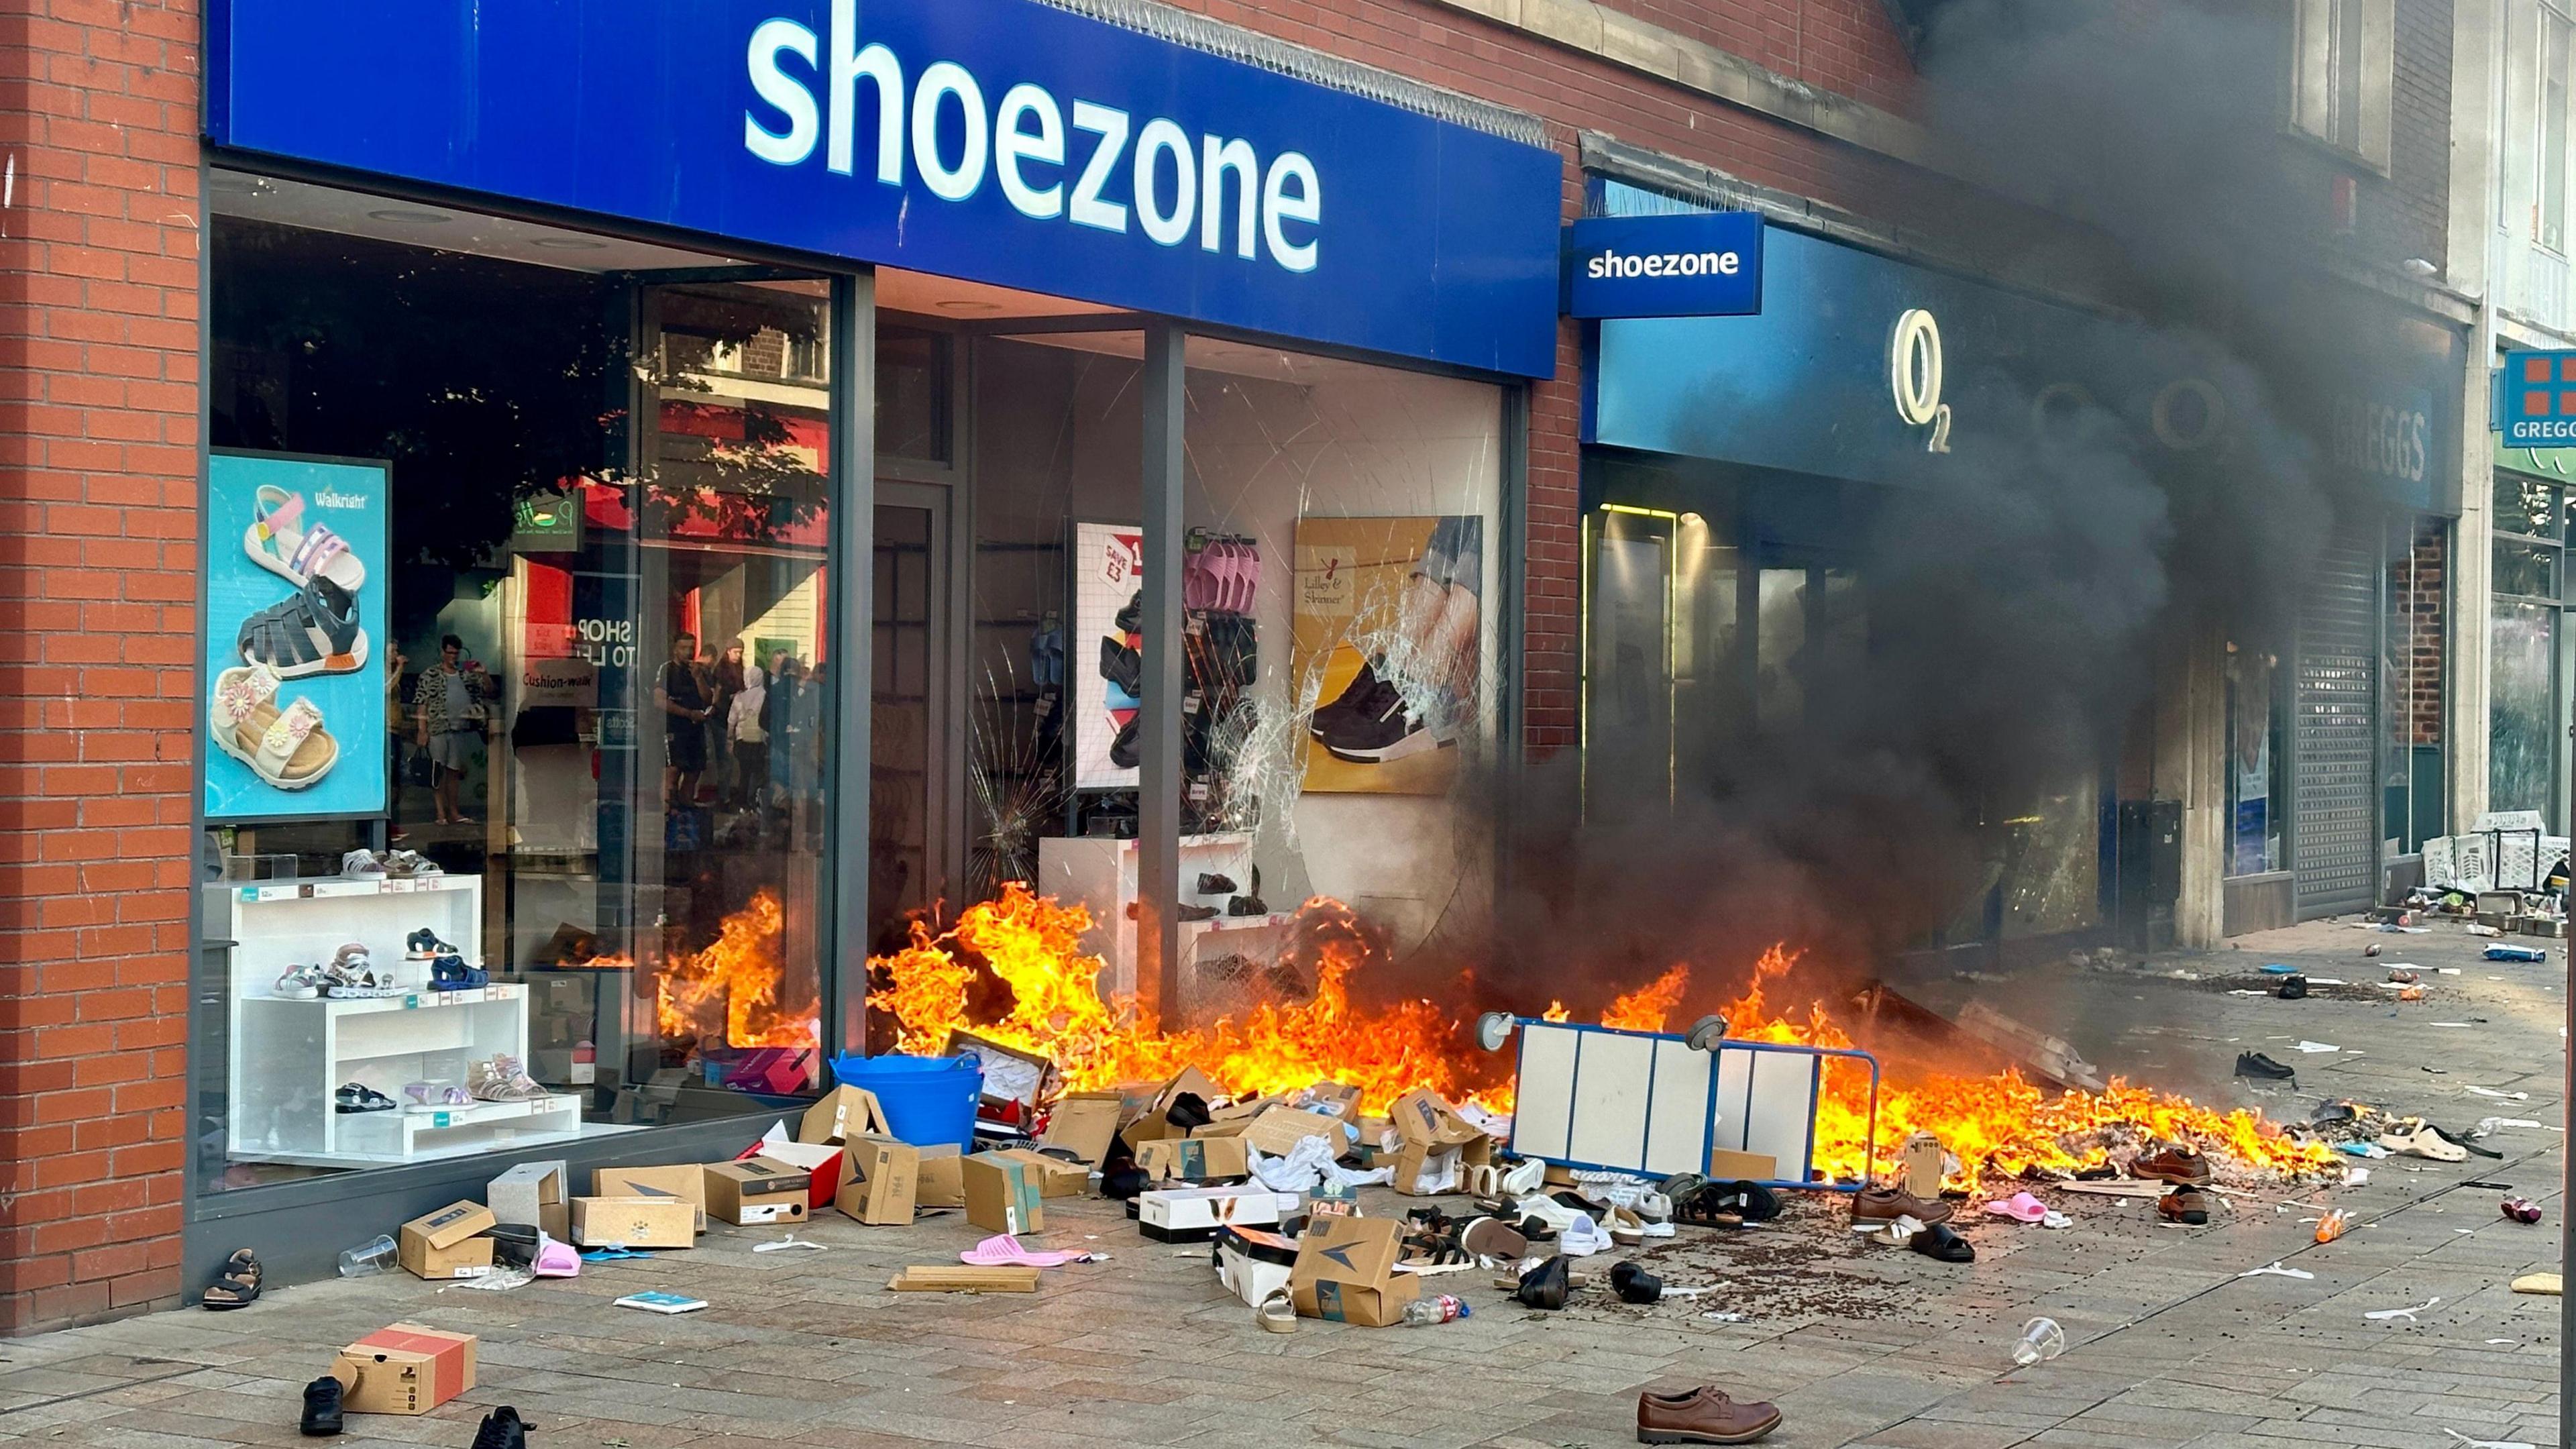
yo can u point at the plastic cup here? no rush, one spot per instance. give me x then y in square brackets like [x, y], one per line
[368, 1258]
[2041, 1340]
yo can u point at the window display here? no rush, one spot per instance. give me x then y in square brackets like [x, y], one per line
[519, 674]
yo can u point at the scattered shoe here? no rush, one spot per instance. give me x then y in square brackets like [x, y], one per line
[2413, 1137]
[2521, 1210]
[1937, 1241]
[1544, 1287]
[1277, 1313]
[2184, 1205]
[2178, 1165]
[321, 1408]
[236, 1284]
[502, 1429]
[1897, 1234]
[2293, 987]
[2263, 1068]
[1702, 1416]
[1887, 1202]
[1634, 1284]
[1494, 1238]
[2021, 1207]
[2545, 1285]
[1188, 1111]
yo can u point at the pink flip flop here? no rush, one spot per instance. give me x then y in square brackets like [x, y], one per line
[2020, 1207]
[1004, 1251]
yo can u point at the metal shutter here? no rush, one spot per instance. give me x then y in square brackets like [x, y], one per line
[2335, 728]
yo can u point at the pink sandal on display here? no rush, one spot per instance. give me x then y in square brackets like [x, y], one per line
[1004, 1251]
[279, 541]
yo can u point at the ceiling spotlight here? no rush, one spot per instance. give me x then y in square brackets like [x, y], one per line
[405, 214]
[570, 244]
[967, 304]
[236, 183]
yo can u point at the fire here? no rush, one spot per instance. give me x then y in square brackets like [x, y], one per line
[1032, 945]
[737, 980]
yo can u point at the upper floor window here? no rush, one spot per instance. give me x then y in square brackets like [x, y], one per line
[2342, 62]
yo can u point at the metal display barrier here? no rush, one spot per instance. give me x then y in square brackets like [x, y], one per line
[1658, 1104]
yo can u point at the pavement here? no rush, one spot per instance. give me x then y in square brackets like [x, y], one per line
[2169, 1345]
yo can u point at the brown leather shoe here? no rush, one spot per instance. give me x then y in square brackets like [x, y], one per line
[1702, 1416]
[2178, 1165]
[1886, 1204]
[2184, 1205]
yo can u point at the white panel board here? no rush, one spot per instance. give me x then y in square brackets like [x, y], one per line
[1677, 1133]
[1781, 1112]
[1613, 1081]
[1543, 1113]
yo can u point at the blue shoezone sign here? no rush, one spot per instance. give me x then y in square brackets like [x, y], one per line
[2536, 399]
[1703, 265]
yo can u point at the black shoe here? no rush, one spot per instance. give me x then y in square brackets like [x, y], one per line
[502, 1429]
[2255, 1064]
[1122, 750]
[1211, 884]
[1188, 1110]
[1197, 913]
[1363, 685]
[1545, 1285]
[1123, 667]
[321, 1408]
[2293, 988]
[1634, 1284]
[1375, 729]
[1131, 618]
[1250, 902]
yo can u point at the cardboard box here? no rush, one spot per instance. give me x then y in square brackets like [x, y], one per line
[1002, 1194]
[1085, 1123]
[404, 1369]
[686, 1182]
[1436, 1143]
[634, 1222]
[1155, 1125]
[1010, 1073]
[888, 1174]
[1276, 1131]
[940, 1183]
[1254, 1262]
[1725, 1165]
[448, 1243]
[826, 1166]
[534, 1192]
[1918, 1166]
[845, 1113]
[1193, 1214]
[1345, 1272]
[1056, 1177]
[1193, 1159]
[1334, 1099]
[757, 1191]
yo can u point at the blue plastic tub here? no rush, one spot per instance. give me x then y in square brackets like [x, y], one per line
[927, 1100]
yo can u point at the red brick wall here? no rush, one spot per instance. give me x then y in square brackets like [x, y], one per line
[1844, 46]
[98, 563]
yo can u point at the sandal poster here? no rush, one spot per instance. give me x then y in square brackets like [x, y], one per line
[1389, 634]
[294, 685]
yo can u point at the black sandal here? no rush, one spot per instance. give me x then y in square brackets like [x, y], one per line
[237, 1286]
[315, 632]
[1709, 1205]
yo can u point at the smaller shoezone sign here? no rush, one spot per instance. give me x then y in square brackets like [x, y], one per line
[2537, 400]
[1704, 265]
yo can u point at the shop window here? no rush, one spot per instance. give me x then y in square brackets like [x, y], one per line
[2522, 738]
[2257, 801]
[555, 701]
[2343, 57]
[2526, 506]
[913, 394]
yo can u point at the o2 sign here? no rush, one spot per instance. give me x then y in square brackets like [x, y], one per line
[1914, 372]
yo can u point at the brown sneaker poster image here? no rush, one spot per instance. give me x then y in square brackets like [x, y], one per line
[1389, 635]
[294, 687]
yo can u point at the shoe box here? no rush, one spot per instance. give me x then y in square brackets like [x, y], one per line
[1345, 1272]
[1193, 1214]
[449, 1243]
[404, 1368]
[537, 1193]
[1002, 1194]
[636, 1222]
[758, 1191]
[1254, 1263]
[683, 1182]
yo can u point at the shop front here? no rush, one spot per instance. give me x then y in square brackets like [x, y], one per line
[1760, 569]
[694, 491]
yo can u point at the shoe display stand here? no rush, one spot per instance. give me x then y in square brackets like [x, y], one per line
[289, 1055]
[1100, 875]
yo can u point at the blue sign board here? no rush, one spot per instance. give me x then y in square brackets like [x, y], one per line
[2536, 399]
[1000, 141]
[1705, 264]
[296, 574]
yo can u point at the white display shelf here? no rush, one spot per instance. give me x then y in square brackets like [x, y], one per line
[1100, 874]
[289, 1055]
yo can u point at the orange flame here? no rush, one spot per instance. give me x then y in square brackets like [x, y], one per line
[1032, 944]
[736, 981]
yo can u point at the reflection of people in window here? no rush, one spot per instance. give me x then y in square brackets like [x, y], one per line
[448, 706]
[682, 697]
[747, 734]
[396, 728]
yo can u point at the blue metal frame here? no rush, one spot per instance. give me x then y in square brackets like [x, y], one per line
[1708, 1136]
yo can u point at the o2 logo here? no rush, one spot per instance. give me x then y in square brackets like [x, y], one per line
[1914, 373]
